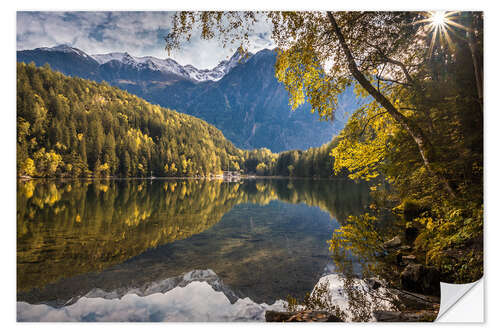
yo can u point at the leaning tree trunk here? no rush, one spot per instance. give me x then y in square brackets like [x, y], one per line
[423, 144]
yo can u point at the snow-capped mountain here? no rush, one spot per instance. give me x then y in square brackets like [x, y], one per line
[165, 66]
[64, 48]
[240, 96]
[172, 66]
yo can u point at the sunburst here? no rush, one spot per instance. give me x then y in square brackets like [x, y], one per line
[440, 24]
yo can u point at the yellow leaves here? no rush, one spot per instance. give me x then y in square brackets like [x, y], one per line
[139, 138]
[358, 237]
[103, 188]
[60, 146]
[184, 165]
[299, 69]
[173, 169]
[28, 167]
[46, 162]
[27, 189]
[63, 99]
[364, 142]
[261, 168]
[123, 116]
[455, 213]
[427, 222]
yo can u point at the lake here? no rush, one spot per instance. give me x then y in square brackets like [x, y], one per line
[174, 249]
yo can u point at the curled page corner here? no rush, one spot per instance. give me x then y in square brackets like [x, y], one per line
[454, 296]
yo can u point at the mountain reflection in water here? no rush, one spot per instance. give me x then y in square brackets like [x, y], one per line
[266, 239]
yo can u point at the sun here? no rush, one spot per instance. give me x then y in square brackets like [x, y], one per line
[440, 24]
[438, 19]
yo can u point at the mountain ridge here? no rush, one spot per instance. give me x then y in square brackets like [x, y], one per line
[244, 100]
[189, 71]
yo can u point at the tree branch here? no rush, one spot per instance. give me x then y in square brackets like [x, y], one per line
[394, 81]
[370, 119]
[395, 62]
[424, 146]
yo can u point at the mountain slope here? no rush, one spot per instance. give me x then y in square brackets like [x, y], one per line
[67, 60]
[75, 127]
[251, 107]
[240, 96]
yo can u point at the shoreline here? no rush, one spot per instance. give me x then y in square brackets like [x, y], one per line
[24, 178]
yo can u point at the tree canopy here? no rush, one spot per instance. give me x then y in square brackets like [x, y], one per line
[71, 127]
[420, 131]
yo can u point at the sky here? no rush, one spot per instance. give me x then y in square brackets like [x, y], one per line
[138, 33]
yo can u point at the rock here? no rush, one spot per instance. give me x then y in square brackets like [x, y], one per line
[402, 316]
[394, 242]
[420, 279]
[373, 283]
[413, 301]
[408, 259]
[301, 316]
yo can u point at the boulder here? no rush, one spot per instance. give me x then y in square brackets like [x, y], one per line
[420, 279]
[392, 243]
[374, 283]
[409, 258]
[301, 316]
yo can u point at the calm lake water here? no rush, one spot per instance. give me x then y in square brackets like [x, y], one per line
[173, 249]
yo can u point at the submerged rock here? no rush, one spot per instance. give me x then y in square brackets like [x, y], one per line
[394, 242]
[420, 279]
[301, 316]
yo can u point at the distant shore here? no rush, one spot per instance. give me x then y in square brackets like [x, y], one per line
[27, 178]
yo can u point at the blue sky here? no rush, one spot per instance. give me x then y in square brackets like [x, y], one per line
[138, 33]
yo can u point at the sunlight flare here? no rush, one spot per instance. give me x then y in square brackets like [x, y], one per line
[438, 18]
[440, 24]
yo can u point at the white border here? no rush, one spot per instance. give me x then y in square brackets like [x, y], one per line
[7, 121]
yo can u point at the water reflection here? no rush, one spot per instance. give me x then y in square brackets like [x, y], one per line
[198, 295]
[81, 234]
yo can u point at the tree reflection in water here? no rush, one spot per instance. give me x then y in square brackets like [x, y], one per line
[69, 228]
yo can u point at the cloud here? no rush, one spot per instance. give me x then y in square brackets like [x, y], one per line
[138, 33]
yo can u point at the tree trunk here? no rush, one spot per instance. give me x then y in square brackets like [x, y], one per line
[478, 70]
[423, 144]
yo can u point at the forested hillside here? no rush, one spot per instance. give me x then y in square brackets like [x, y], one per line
[71, 127]
[74, 127]
[314, 162]
[248, 104]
